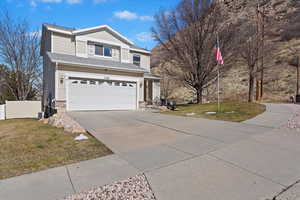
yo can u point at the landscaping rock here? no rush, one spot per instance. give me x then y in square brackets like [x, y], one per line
[163, 108]
[63, 120]
[134, 188]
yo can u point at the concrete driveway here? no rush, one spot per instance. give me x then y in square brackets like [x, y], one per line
[182, 158]
[190, 158]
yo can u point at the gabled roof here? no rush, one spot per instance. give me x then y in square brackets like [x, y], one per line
[93, 62]
[73, 31]
[81, 31]
[53, 26]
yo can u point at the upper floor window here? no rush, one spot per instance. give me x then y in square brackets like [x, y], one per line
[137, 60]
[101, 50]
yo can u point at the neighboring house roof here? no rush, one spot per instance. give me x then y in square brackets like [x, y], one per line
[151, 76]
[53, 26]
[93, 62]
[73, 31]
[134, 47]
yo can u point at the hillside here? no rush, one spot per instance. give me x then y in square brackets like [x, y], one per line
[282, 32]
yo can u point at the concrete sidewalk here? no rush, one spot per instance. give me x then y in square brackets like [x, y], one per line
[183, 158]
[275, 116]
[60, 182]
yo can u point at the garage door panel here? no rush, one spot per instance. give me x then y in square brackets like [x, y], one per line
[101, 97]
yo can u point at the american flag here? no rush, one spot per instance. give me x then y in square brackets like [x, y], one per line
[219, 57]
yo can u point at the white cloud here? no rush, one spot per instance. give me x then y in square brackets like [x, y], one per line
[51, 1]
[144, 37]
[127, 15]
[74, 1]
[33, 4]
[99, 1]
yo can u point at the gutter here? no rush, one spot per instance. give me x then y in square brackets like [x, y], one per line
[100, 67]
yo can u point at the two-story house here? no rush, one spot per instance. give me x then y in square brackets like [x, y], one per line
[95, 69]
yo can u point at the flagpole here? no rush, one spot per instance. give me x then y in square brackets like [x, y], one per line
[218, 88]
[218, 77]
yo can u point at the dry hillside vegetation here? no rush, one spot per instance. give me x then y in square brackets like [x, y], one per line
[282, 34]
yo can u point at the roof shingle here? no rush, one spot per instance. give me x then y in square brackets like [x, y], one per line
[94, 62]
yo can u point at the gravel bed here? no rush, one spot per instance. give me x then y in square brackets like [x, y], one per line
[134, 188]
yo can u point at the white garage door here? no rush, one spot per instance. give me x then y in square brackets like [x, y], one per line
[101, 95]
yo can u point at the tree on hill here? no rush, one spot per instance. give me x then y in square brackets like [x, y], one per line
[295, 62]
[19, 50]
[187, 36]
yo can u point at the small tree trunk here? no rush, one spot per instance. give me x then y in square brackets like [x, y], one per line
[298, 75]
[251, 88]
[199, 96]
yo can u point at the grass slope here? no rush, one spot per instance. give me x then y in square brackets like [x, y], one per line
[28, 145]
[230, 111]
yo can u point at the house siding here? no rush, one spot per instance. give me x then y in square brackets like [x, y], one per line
[63, 44]
[145, 60]
[81, 48]
[49, 70]
[105, 36]
[47, 42]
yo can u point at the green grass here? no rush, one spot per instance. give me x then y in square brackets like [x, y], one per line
[28, 145]
[230, 111]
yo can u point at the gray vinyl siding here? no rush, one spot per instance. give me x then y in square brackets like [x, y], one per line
[63, 44]
[145, 60]
[47, 42]
[105, 35]
[81, 47]
[48, 79]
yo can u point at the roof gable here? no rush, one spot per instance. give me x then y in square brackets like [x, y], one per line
[103, 28]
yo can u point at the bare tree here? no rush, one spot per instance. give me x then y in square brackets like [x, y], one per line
[249, 50]
[295, 61]
[19, 50]
[187, 35]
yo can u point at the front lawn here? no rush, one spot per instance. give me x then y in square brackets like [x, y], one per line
[28, 145]
[230, 111]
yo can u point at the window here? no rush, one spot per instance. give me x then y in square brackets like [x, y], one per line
[107, 51]
[137, 60]
[101, 50]
[83, 81]
[92, 82]
[100, 82]
[109, 83]
[117, 83]
[74, 82]
[124, 84]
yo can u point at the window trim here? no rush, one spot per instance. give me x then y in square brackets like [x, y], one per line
[103, 51]
[133, 62]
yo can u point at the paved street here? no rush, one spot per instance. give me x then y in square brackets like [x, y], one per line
[183, 158]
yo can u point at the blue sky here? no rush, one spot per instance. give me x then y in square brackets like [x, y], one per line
[132, 18]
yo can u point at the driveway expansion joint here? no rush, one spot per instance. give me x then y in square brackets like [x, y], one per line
[179, 131]
[70, 179]
[249, 171]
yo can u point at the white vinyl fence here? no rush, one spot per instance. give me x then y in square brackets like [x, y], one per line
[2, 112]
[22, 109]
